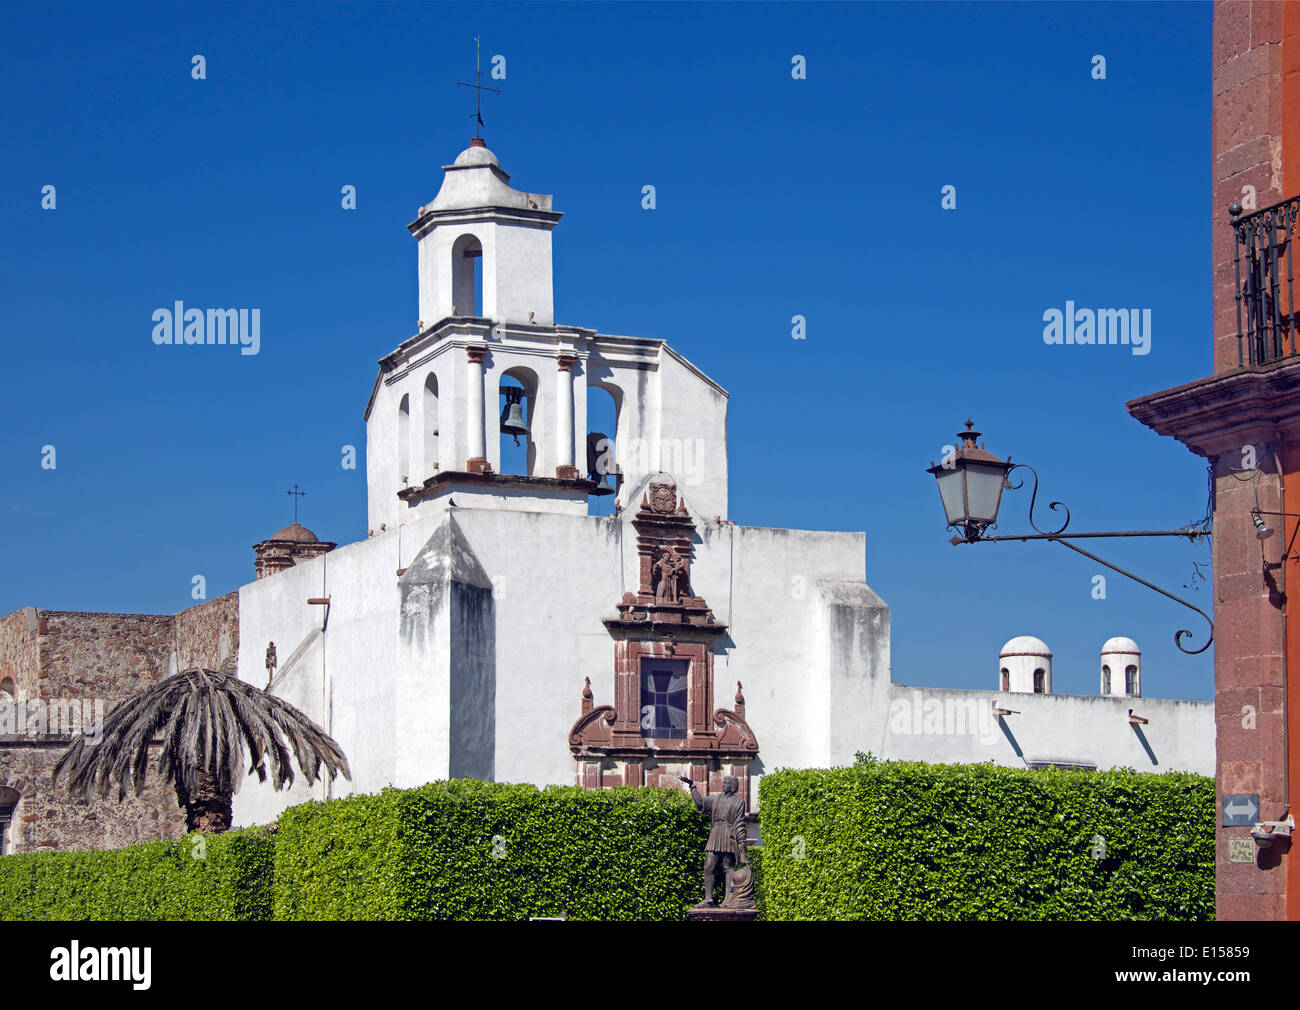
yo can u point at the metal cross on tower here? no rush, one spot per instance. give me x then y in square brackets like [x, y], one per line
[296, 494]
[478, 87]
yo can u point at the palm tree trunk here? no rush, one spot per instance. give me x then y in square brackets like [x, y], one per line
[207, 809]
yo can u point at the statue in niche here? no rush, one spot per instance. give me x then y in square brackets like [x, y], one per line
[725, 848]
[670, 576]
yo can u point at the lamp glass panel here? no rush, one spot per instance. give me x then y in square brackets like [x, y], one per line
[984, 488]
[950, 484]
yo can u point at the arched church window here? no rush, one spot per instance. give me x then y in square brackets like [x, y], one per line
[1006, 679]
[430, 425]
[467, 276]
[1131, 680]
[1040, 681]
[8, 803]
[1105, 679]
[404, 440]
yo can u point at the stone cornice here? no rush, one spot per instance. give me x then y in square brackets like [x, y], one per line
[511, 215]
[298, 546]
[1220, 414]
[652, 630]
[442, 480]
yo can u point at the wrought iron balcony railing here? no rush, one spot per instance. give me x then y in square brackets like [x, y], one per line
[1264, 275]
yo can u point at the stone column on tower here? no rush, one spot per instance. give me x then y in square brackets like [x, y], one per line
[477, 461]
[565, 468]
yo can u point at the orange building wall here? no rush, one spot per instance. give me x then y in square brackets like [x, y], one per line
[1289, 527]
[1291, 97]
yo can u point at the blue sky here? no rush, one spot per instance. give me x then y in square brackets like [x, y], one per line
[775, 197]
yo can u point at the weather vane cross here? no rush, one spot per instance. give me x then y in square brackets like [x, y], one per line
[479, 87]
[295, 495]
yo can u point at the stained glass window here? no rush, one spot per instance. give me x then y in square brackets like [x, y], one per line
[663, 698]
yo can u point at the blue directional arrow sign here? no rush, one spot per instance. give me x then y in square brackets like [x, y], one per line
[1240, 809]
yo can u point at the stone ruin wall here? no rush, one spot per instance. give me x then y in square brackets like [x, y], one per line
[208, 635]
[70, 655]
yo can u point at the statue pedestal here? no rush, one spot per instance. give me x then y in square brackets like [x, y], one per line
[722, 914]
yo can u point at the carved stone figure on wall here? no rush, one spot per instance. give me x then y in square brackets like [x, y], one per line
[726, 838]
[670, 576]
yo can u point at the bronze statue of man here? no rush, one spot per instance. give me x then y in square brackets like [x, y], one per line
[726, 837]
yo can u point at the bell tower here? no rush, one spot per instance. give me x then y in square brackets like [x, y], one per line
[486, 404]
[485, 247]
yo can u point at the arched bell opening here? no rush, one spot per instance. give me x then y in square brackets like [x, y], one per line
[604, 409]
[430, 425]
[467, 276]
[518, 423]
[404, 440]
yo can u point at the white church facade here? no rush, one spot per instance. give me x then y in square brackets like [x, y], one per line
[490, 627]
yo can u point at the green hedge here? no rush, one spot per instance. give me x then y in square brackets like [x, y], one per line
[964, 842]
[877, 841]
[156, 881]
[466, 849]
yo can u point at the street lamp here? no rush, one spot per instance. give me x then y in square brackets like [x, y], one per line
[971, 481]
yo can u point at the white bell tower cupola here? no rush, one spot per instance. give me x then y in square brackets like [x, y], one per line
[484, 247]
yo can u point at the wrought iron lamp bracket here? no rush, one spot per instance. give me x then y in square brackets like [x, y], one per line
[977, 534]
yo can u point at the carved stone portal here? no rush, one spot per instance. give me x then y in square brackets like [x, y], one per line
[663, 723]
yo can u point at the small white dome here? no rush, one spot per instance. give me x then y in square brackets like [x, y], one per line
[1121, 645]
[1025, 645]
[476, 156]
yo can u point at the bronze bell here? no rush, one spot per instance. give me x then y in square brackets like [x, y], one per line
[512, 415]
[598, 445]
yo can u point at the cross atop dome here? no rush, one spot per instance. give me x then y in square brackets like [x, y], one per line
[479, 87]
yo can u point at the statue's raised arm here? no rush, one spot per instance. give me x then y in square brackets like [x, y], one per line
[701, 802]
